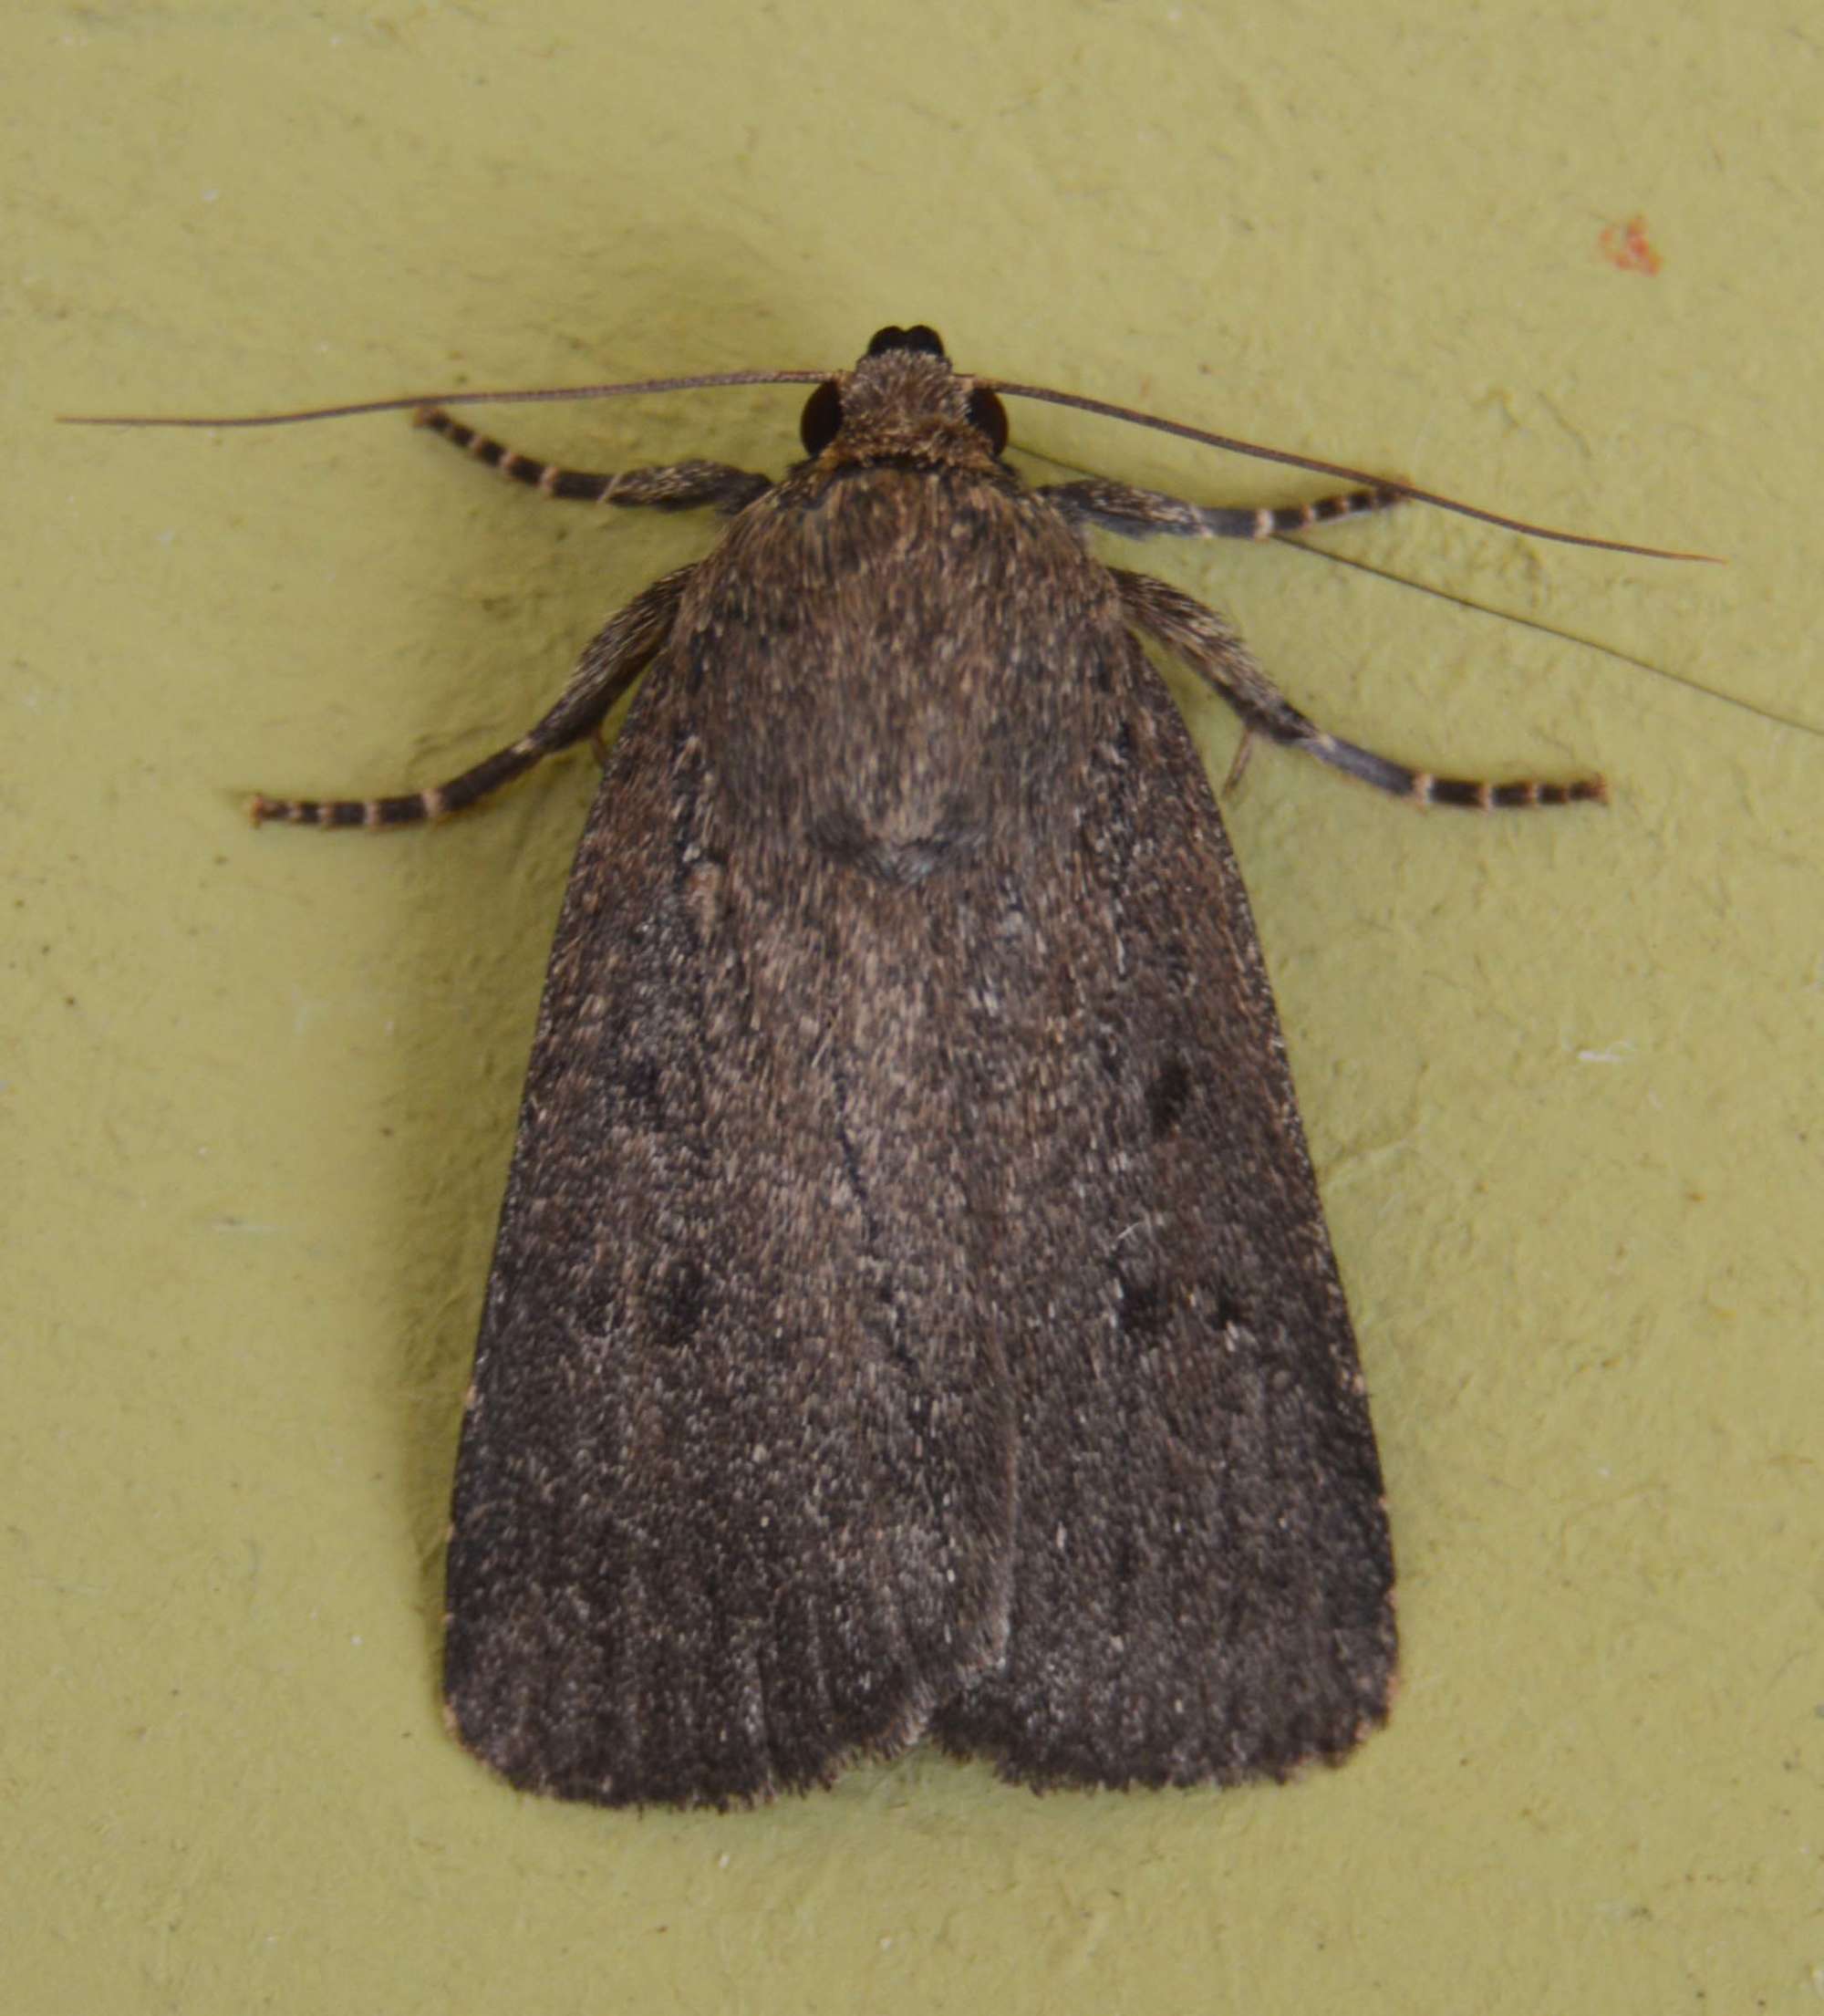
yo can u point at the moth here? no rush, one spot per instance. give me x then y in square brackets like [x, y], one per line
[912, 1314]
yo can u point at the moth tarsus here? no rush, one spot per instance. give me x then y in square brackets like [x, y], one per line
[912, 1313]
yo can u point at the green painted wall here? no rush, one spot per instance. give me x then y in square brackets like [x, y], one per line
[1561, 1074]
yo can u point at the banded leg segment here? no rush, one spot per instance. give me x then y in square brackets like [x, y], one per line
[1200, 639]
[616, 658]
[676, 486]
[1136, 514]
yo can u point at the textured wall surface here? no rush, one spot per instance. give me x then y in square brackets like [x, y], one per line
[1560, 1074]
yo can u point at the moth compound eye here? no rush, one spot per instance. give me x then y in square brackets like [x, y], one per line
[821, 419]
[987, 416]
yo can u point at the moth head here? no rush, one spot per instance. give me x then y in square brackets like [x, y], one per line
[903, 398]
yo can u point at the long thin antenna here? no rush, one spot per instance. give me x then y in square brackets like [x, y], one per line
[708, 380]
[1692, 685]
[1239, 447]
[409, 401]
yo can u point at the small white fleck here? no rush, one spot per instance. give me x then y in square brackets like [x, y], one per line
[355, 1638]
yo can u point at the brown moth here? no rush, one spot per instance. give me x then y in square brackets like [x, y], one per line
[912, 1313]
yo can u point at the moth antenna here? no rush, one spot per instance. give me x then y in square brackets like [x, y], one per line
[715, 380]
[1237, 446]
[1771, 715]
[711, 380]
[1299, 544]
[407, 402]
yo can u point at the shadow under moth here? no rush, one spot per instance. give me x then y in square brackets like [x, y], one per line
[912, 1314]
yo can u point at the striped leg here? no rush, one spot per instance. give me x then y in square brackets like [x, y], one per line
[679, 486]
[1202, 642]
[1148, 514]
[613, 661]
